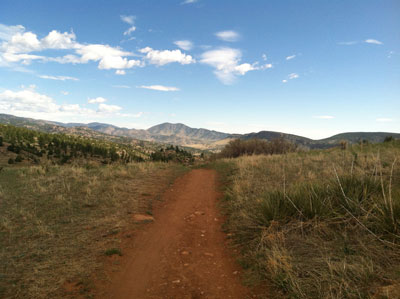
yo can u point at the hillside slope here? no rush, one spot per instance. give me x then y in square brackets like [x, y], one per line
[182, 135]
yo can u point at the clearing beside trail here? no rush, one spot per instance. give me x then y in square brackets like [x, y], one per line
[183, 253]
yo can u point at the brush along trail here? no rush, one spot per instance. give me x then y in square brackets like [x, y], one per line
[183, 253]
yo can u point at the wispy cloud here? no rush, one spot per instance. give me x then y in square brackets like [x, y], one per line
[373, 41]
[349, 43]
[128, 19]
[226, 62]
[184, 44]
[130, 30]
[189, 1]
[159, 87]
[120, 72]
[290, 57]
[228, 35]
[59, 78]
[367, 41]
[97, 100]
[104, 108]
[65, 93]
[290, 77]
[324, 117]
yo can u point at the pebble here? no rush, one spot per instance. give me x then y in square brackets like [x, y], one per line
[185, 252]
[208, 254]
[176, 281]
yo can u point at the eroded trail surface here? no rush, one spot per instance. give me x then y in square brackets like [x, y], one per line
[184, 253]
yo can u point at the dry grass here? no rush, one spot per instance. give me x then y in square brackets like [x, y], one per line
[318, 224]
[56, 221]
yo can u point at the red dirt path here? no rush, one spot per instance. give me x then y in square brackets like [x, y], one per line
[183, 253]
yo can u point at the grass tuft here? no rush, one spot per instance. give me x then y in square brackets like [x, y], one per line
[318, 224]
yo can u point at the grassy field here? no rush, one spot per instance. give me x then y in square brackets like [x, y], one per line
[318, 224]
[57, 223]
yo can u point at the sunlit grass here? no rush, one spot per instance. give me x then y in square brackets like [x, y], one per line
[318, 224]
[56, 221]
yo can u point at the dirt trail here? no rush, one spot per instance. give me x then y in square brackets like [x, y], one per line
[184, 253]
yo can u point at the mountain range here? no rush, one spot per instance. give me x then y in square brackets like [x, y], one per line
[180, 134]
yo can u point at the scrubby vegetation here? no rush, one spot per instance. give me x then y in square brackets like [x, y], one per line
[58, 223]
[318, 224]
[35, 146]
[172, 153]
[239, 147]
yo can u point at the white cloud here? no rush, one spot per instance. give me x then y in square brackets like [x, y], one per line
[324, 117]
[159, 87]
[57, 40]
[385, 120]
[284, 81]
[266, 66]
[29, 103]
[226, 63]
[264, 57]
[59, 78]
[128, 19]
[189, 1]
[97, 100]
[290, 57]
[6, 32]
[130, 30]
[184, 44]
[120, 72]
[104, 108]
[228, 35]
[108, 57]
[18, 48]
[373, 41]
[293, 76]
[65, 93]
[166, 56]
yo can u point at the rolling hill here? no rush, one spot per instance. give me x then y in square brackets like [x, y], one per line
[182, 135]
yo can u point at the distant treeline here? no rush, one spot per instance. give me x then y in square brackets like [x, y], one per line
[60, 148]
[239, 147]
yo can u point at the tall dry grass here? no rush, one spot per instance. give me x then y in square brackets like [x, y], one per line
[56, 222]
[318, 224]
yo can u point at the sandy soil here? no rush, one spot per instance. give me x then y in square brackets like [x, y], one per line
[183, 253]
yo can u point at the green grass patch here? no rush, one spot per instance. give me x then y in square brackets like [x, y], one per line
[113, 251]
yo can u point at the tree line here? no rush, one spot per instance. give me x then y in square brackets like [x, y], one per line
[61, 148]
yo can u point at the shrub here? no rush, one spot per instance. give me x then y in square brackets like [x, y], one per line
[19, 158]
[11, 161]
[238, 147]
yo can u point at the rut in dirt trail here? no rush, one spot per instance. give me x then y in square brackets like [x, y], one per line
[184, 253]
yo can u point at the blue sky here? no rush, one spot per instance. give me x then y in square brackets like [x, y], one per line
[313, 68]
